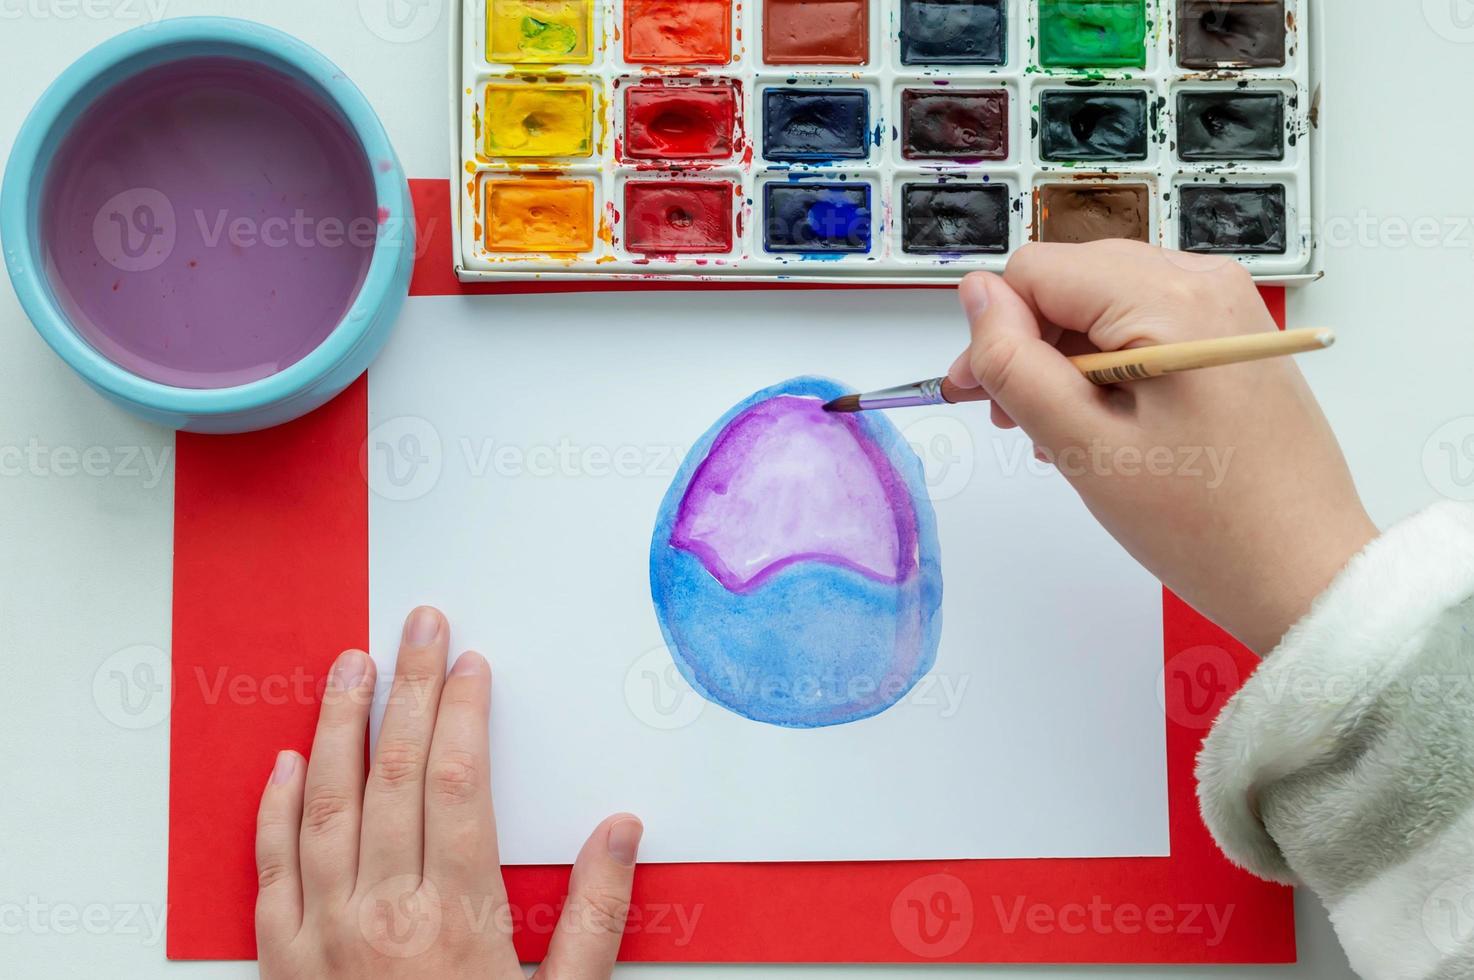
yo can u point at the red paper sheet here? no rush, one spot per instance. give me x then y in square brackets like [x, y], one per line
[271, 583]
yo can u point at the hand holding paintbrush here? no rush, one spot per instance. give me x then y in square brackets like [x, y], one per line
[1228, 485]
[1115, 367]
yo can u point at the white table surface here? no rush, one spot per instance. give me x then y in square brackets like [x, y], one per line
[85, 559]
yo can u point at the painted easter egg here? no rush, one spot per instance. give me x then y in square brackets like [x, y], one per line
[795, 567]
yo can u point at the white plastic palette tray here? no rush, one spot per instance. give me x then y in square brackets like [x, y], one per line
[885, 171]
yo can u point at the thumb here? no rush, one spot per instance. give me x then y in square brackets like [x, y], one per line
[586, 941]
[1026, 376]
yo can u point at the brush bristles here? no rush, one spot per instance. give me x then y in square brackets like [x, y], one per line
[847, 404]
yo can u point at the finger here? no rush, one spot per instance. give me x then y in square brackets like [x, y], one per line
[1030, 380]
[333, 798]
[278, 867]
[1093, 288]
[960, 373]
[586, 941]
[460, 830]
[1077, 286]
[394, 799]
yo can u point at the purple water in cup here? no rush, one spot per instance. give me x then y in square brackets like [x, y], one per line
[208, 222]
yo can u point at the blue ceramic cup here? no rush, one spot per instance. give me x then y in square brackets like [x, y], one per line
[325, 366]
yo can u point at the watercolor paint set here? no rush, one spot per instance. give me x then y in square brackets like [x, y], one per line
[893, 141]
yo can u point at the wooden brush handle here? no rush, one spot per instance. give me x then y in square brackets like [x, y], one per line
[1139, 364]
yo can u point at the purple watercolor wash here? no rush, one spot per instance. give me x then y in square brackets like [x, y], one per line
[788, 482]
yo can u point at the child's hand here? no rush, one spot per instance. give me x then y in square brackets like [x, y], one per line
[1228, 484]
[401, 878]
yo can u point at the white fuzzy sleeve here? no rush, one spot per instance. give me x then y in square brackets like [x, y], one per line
[1346, 763]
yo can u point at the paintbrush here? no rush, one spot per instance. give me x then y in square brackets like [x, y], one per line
[1116, 367]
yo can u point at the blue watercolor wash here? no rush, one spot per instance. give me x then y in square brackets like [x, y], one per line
[815, 643]
[817, 219]
[816, 125]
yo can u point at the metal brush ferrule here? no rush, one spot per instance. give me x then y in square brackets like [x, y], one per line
[906, 396]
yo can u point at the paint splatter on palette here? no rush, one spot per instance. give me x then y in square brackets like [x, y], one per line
[878, 140]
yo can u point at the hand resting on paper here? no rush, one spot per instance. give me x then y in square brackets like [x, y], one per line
[1227, 484]
[396, 874]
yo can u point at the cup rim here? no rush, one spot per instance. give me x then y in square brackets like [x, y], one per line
[28, 164]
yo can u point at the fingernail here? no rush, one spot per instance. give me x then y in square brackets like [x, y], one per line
[468, 664]
[975, 297]
[624, 840]
[422, 627]
[349, 670]
[286, 764]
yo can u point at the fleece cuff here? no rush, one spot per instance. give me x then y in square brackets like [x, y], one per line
[1305, 699]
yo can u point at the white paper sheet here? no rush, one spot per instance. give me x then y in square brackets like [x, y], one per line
[519, 450]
